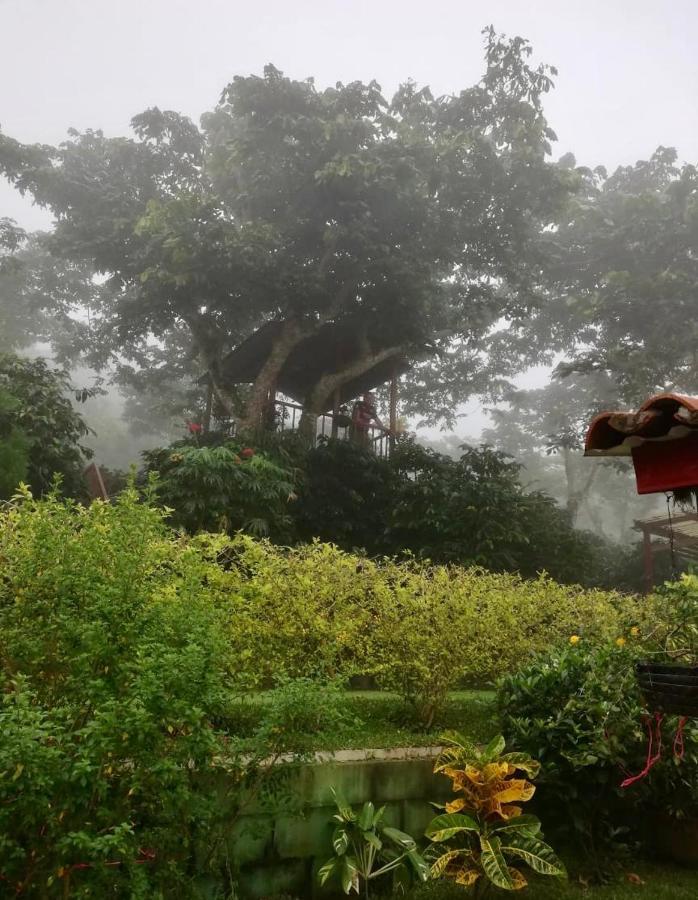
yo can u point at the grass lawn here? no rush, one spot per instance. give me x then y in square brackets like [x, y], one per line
[660, 882]
[379, 720]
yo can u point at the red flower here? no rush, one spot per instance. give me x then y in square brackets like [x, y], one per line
[194, 428]
[247, 453]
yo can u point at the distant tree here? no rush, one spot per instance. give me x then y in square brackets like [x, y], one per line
[624, 279]
[416, 222]
[37, 416]
[44, 298]
[544, 430]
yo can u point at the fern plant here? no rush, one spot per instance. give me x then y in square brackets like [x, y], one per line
[483, 830]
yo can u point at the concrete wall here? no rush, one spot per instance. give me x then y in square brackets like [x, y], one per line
[279, 854]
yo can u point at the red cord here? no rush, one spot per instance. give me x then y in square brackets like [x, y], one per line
[678, 738]
[654, 733]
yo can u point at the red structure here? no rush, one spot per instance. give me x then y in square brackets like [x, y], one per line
[662, 439]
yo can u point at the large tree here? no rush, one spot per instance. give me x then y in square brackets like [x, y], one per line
[623, 268]
[415, 222]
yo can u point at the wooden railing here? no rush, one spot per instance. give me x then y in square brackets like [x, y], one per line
[287, 418]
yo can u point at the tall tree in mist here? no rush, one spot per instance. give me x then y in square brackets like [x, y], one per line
[624, 280]
[415, 221]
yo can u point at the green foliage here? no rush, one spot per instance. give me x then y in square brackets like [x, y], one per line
[471, 511]
[475, 511]
[580, 710]
[114, 664]
[418, 629]
[416, 220]
[365, 848]
[13, 447]
[301, 710]
[224, 487]
[346, 496]
[483, 830]
[47, 430]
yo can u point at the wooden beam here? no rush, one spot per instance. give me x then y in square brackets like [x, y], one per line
[335, 412]
[648, 560]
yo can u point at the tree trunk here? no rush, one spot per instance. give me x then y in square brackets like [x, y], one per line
[291, 335]
[317, 401]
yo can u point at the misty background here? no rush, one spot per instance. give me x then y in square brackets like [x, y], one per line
[628, 80]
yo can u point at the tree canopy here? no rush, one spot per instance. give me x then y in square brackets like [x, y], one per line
[416, 221]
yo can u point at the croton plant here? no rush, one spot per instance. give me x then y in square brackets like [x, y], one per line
[484, 828]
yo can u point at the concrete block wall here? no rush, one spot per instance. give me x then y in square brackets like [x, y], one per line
[279, 854]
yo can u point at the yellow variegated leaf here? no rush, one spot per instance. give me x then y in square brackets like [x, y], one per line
[518, 879]
[496, 770]
[443, 862]
[515, 789]
[467, 875]
[509, 811]
[456, 805]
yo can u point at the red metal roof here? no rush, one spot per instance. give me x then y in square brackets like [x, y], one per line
[664, 417]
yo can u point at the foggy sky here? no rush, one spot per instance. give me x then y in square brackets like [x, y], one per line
[628, 68]
[628, 71]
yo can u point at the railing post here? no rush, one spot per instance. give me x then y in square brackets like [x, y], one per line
[335, 413]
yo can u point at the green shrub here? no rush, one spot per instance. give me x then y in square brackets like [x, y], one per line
[300, 612]
[224, 487]
[114, 662]
[418, 629]
[580, 709]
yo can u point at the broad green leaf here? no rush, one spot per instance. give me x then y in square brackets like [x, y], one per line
[444, 827]
[345, 810]
[326, 870]
[399, 837]
[372, 838]
[419, 864]
[349, 874]
[518, 823]
[493, 863]
[522, 761]
[366, 816]
[340, 840]
[438, 867]
[494, 748]
[535, 853]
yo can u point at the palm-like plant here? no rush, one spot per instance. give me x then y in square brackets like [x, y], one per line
[483, 829]
[365, 848]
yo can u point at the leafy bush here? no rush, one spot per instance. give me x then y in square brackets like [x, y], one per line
[36, 413]
[471, 511]
[299, 612]
[114, 663]
[418, 629]
[346, 497]
[224, 487]
[366, 848]
[580, 710]
[483, 831]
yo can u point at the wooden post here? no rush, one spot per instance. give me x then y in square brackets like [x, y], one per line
[393, 409]
[335, 413]
[209, 406]
[648, 559]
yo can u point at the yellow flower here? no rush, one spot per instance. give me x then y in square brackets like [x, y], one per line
[620, 642]
[575, 639]
[634, 631]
